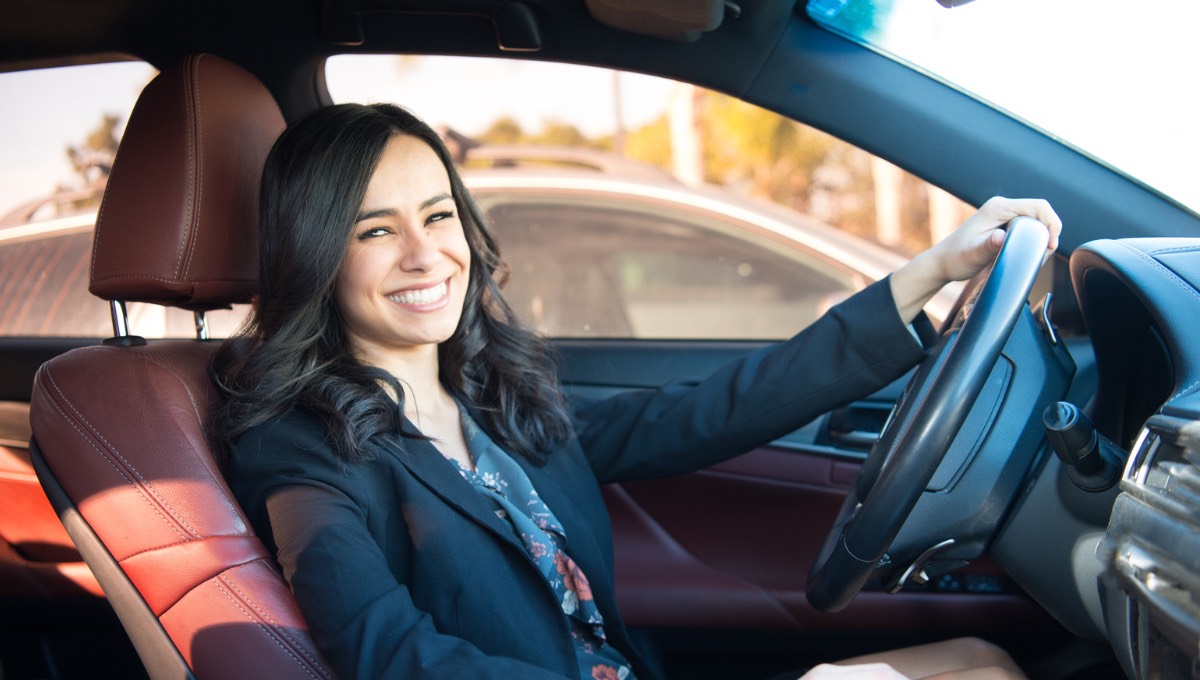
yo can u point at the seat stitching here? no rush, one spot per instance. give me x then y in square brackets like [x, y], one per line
[1170, 274]
[1184, 391]
[108, 460]
[195, 114]
[270, 632]
[155, 548]
[1176, 249]
[132, 468]
[266, 616]
[191, 178]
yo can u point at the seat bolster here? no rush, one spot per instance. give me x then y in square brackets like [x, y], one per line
[135, 460]
[164, 575]
[134, 456]
[244, 625]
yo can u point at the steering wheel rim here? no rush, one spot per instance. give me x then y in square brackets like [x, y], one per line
[929, 414]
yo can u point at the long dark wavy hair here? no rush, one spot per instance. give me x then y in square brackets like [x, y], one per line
[293, 352]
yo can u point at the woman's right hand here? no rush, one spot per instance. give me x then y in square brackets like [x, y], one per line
[966, 251]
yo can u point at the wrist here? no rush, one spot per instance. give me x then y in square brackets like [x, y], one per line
[916, 282]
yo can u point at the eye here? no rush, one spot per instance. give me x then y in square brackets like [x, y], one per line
[373, 232]
[439, 216]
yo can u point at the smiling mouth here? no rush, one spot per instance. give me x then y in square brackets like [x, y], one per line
[422, 297]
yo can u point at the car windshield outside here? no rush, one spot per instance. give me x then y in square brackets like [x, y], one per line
[1109, 77]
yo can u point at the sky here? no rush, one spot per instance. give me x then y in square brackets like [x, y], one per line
[531, 92]
[42, 112]
[1075, 58]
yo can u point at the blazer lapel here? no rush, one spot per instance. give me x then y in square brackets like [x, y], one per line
[429, 466]
[422, 459]
[581, 537]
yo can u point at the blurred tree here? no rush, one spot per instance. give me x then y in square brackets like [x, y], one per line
[554, 133]
[504, 130]
[93, 159]
[650, 143]
[759, 153]
[772, 156]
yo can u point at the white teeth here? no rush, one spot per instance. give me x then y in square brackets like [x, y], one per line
[420, 297]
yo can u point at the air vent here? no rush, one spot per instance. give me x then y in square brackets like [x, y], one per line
[1151, 553]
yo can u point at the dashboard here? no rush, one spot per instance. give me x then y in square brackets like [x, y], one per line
[1140, 300]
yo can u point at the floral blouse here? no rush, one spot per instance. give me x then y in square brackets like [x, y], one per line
[498, 477]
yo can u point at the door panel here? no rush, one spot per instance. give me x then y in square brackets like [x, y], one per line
[37, 558]
[730, 547]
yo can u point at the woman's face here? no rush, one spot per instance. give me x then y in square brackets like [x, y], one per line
[403, 280]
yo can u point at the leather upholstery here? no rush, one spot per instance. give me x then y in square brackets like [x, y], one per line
[122, 429]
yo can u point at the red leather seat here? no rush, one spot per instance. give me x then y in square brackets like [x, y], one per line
[119, 429]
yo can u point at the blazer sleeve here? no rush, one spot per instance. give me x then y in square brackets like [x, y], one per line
[305, 503]
[856, 348]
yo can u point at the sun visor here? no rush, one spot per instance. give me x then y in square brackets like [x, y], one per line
[682, 20]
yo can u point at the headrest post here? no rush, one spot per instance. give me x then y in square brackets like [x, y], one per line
[120, 318]
[201, 325]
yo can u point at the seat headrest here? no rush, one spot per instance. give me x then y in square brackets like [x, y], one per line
[179, 221]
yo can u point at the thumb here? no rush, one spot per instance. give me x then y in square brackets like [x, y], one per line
[974, 254]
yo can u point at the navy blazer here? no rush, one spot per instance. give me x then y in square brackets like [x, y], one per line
[403, 570]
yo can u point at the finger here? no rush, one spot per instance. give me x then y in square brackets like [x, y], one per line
[1042, 211]
[1037, 208]
[995, 239]
[983, 247]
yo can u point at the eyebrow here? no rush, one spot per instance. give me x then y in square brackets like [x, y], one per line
[391, 212]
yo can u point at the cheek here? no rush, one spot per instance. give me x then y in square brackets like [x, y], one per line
[460, 250]
[352, 278]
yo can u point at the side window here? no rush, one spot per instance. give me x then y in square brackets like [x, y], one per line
[617, 267]
[60, 144]
[638, 207]
[43, 286]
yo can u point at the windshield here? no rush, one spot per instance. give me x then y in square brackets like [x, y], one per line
[1112, 78]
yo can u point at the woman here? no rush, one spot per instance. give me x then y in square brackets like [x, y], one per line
[400, 441]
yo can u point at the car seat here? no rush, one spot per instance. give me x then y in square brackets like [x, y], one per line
[119, 429]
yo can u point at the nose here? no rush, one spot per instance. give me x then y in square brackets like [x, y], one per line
[421, 251]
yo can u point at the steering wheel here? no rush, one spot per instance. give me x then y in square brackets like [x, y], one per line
[927, 416]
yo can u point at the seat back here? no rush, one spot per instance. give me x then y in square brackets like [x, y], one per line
[119, 430]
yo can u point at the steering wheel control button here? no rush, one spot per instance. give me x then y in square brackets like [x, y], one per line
[1093, 462]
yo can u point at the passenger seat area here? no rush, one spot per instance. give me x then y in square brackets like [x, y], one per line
[119, 429]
